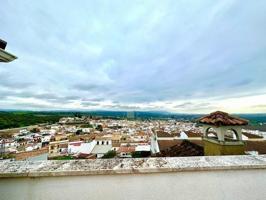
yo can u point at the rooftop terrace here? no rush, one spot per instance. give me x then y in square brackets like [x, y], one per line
[129, 166]
[201, 178]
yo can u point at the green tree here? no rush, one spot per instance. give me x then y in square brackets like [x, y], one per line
[140, 154]
[99, 127]
[110, 154]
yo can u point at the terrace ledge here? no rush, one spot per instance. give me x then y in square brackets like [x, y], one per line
[50, 168]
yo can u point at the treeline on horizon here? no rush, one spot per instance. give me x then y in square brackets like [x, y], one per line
[15, 119]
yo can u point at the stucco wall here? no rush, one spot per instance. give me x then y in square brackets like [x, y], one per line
[203, 177]
[25, 155]
[228, 184]
[213, 148]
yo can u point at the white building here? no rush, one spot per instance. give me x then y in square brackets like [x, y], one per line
[79, 147]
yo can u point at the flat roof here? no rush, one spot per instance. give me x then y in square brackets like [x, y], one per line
[101, 149]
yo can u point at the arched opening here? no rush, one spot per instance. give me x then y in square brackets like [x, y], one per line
[231, 135]
[211, 133]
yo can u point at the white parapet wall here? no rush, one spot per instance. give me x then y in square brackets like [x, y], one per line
[216, 177]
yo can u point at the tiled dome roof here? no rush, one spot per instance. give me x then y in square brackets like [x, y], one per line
[220, 118]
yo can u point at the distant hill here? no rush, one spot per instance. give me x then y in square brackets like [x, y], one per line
[13, 119]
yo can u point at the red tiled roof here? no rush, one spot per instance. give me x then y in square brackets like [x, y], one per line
[186, 148]
[63, 145]
[85, 156]
[193, 134]
[165, 134]
[77, 143]
[126, 149]
[259, 146]
[220, 118]
[164, 144]
[250, 135]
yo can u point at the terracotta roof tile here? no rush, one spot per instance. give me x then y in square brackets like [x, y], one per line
[126, 149]
[259, 146]
[220, 118]
[193, 134]
[164, 144]
[186, 148]
[250, 135]
[165, 134]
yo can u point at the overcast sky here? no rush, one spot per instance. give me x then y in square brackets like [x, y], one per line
[180, 56]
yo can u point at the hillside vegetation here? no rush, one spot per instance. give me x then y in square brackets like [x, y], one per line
[21, 119]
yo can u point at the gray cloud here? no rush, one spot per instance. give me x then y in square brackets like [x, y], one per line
[194, 106]
[87, 103]
[182, 105]
[34, 106]
[89, 87]
[123, 107]
[97, 99]
[49, 97]
[10, 82]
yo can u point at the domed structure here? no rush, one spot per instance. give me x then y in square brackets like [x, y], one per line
[222, 134]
